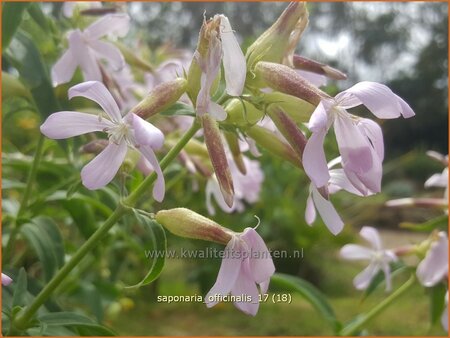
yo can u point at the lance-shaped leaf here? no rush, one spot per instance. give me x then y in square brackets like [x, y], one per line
[288, 129]
[309, 65]
[218, 158]
[266, 139]
[233, 144]
[286, 80]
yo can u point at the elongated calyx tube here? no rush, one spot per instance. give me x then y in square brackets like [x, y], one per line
[160, 98]
[286, 80]
[187, 223]
[309, 65]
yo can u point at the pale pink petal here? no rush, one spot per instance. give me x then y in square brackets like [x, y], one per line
[217, 111]
[213, 189]
[319, 118]
[228, 273]
[327, 212]
[67, 124]
[378, 98]
[233, 59]
[372, 236]
[84, 57]
[406, 111]
[110, 24]
[261, 264]
[97, 92]
[144, 166]
[373, 132]
[363, 279]
[434, 267]
[314, 160]
[264, 286]
[6, 280]
[339, 180]
[64, 68]
[387, 275]
[146, 133]
[444, 317]
[355, 252]
[102, 169]
[244, 286]
[310, 211]
[109, 52]
[438, 180]
[317, 80]
[159, 186]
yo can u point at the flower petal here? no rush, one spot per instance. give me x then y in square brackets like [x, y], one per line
[373, 132]
[327, 212]
[378, 98]
[444, 317]
[6, 280]
[213, 189]
[314, 161]
[310, 211]
[102, 169]
[438, 180]
[67, 124]
[363, 279]
[319, 118]
[434, 267]
[339, 180]
[264, 286]
[372, 236]
[246, 288]
[159, 187]
[217, 111]
[84, 57]
[355, 252]
[110, 24]
[234, 64]
[317, 80]
[228, 273]
[97, 92]
[146, 133]
[63, 69]
[387, 275]
[110, 53]
[261, 264]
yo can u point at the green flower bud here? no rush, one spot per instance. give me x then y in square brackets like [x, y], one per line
[242, 113]
[160, 98]
[187, 223]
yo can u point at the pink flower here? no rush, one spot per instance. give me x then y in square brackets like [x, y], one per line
[125, 132]
[246, 187]
[86, 48]
[222, 46]
[434, 267]
[360, 140]
[245, 272]
[378, 257]
[6, 280]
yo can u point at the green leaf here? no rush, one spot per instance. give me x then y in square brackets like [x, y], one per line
[179, 108]
[20, 289]
[44, 237]
[437, 302]
[396, 269]
[38, 16]
[81, 323]
[158, 246]
[26, 58]
[11, 19]
[82, 214]
[316, 298]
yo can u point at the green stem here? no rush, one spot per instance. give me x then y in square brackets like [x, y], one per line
[357, 325]
[22, 320]
[26, 196]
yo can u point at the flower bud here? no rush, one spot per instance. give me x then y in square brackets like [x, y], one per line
[266, 139]
[277, 41]
[288, 129]
[160, 98]
[286, 80]
[309, 65]
[187, 223]
[298, 110]
[242, 113]
[94, 147]
[218, 158]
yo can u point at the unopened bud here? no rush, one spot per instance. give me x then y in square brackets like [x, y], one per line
[218, 158]
[286, 80]
[160, 98]
[298, 110]
[288, 129]
[277, 41]
[94, 147]
[309, 65]
[266, 139]
[187, 223]
[242, 113]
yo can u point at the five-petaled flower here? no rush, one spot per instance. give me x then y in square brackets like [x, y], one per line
[85, 48]
[379, 258]
[360, 140]
[245, 272]
[123, 132]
